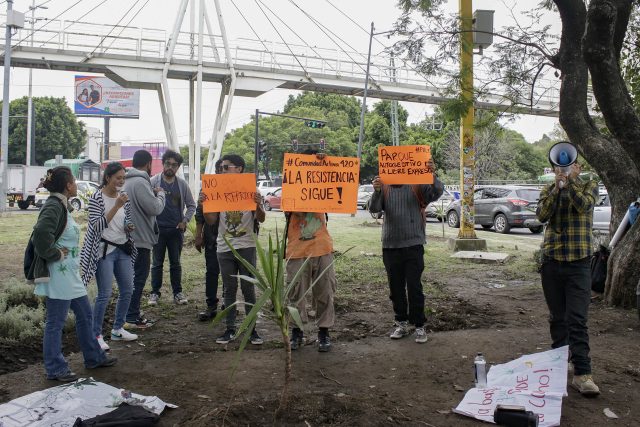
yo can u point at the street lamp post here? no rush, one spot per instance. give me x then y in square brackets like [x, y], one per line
[30, 111]
[366, 89]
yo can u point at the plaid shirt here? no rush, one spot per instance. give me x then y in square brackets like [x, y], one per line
[569, 213]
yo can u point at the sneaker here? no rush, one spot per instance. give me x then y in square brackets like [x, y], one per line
[180, 299]
[227, 337]
[297, 339]
[585, 385]
[103, 345]
[255, 338]
[64, 378]
[324, 342]
[153, 299]
[401, 331]
[106, 363]
[421, 335]
[122, 335]
[209, 314]
[141, 323]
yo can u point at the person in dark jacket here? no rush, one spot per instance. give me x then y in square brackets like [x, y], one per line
[206, 237]
[61, 284]
[403, 240]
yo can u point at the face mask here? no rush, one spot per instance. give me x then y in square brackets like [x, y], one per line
[119, 188]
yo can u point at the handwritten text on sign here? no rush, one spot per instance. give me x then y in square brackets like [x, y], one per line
[536, 381]
[229, 192]
[405, 164]
[310, 184]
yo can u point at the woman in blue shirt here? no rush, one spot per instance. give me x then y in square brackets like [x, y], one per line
[56, 237]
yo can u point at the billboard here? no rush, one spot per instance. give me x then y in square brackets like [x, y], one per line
[101, 97]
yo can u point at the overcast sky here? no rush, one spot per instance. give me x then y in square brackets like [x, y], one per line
[159, 14]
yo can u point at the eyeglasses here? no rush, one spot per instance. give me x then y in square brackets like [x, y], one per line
[227, 167]
[172, 165]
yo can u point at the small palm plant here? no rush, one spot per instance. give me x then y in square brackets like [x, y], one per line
[270, 280]
[441, 214]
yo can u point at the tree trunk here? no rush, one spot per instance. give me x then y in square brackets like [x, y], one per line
[624, 270]
[595, 39]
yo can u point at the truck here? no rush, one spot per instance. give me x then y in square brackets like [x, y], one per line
[23, 182]
[266, 186]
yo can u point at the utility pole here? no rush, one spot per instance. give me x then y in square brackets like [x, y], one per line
[364, 96]
[30, 109]
[14, 20]
[467, 239]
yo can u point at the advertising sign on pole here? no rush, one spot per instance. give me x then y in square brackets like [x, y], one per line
[97, 96]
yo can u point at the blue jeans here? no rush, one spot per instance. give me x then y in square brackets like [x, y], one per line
[119, 264]
[169, 240]
[56, 315]
[140, 275]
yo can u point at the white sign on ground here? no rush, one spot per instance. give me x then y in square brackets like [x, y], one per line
[62, 405]
[536, 381]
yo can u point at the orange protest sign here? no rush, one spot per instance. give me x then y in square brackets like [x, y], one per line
[405, 164]
[313, 185]
[229, 192]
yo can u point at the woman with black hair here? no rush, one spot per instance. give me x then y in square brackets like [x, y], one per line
[56, 272]
[108, 250]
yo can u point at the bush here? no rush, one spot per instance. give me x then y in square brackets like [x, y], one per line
[22, 322]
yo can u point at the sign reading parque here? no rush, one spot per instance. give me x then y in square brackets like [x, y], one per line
[101, 97]
[405, 164]
[313, 184]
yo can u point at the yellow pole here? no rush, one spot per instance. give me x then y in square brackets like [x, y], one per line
[467, 151]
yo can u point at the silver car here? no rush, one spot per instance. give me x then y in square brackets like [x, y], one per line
[501, 207]
[364, 195]
[602, 213]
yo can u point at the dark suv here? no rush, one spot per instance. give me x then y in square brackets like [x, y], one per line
[502, 207]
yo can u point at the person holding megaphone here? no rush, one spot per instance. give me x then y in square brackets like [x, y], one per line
[566, 205]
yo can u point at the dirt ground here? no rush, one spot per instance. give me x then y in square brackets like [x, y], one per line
[367, 379]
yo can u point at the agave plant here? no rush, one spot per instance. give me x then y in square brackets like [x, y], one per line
[270, 280]
[441, 214]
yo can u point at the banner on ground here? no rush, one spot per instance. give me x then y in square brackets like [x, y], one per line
[229, 192]
[405, 164]
[101, 97]
[62, 405]
[536, 381]
[310, 184]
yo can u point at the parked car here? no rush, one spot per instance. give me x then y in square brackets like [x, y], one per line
[273, 199]
[364, 195]
[602, 213]
[502, 207]
[266, 186]
[442, 203]
[81, 201]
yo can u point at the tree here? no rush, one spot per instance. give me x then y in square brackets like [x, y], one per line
[591, 45]
[58, 131]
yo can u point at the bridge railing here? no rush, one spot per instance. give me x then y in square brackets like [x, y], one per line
[98, 39]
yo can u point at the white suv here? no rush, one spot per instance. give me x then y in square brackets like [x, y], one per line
[81, 201]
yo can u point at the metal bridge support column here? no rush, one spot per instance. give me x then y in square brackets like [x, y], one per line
[194, 168]
[217, 137]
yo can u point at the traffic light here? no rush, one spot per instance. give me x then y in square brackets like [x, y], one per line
[322, 144]
[314, 124]
[294, 144]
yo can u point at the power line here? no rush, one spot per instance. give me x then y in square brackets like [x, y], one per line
[75, 20]
[252, 29]
[297, 35]
[127, 24]
[114, 27]
[283, 40]
[47, 23]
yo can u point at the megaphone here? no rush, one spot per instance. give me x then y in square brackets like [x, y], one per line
[562, 155]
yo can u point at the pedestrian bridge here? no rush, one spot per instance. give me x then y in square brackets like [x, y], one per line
[135, 57]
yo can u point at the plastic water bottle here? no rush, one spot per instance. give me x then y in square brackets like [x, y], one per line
[480, 369]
